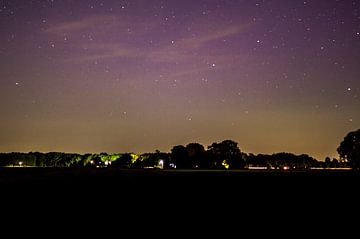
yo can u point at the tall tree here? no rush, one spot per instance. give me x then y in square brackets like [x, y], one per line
[226, 155]
[180, 156]
[123, 161]
[349, 149]
[197, 155]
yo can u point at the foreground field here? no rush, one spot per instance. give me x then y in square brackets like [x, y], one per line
[150, 180]
[170, 193]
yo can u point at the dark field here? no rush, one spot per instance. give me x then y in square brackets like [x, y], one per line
[155, 196]
[167, 183]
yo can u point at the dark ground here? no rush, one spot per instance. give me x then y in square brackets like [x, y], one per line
[175, 184]
[179, 200]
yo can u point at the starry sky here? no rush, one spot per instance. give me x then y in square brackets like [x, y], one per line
[135, 76]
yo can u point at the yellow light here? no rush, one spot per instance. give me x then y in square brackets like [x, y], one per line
[225, 164]
[134, 157]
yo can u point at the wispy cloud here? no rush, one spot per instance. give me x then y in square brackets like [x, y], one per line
[105, 23]
[105, 51]
[86, 23]
[190, 47]
[168, 54]
[110, 44]
[206, 37]
[224, 62]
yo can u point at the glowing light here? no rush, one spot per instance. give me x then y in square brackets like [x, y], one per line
[134, 157]
[257, 168]
[225, 164]
[161, 164]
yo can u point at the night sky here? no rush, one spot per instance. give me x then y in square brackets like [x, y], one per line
[136, 76]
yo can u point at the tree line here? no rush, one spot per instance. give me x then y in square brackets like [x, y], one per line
[223, 155]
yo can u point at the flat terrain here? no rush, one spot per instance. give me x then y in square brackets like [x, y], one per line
[169, 193]
[111, 181]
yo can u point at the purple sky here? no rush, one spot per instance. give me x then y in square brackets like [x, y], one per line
[116, 76]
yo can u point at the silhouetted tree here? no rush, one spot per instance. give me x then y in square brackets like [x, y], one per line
[260, 160]
[95, 161]
[335, 163]
[197, 155]
[153, 160]
[304, 161]
[226, 154]
[349, 149]
[180, 156]
[124, 161]
[327, 162]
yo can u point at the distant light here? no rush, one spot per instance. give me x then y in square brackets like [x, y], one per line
[20, 163]
[226, 166]
[286, 168]
[257, 168]
[17, 83]
[349, 89]
[92, 161]
[161, 164]
[213, 64]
